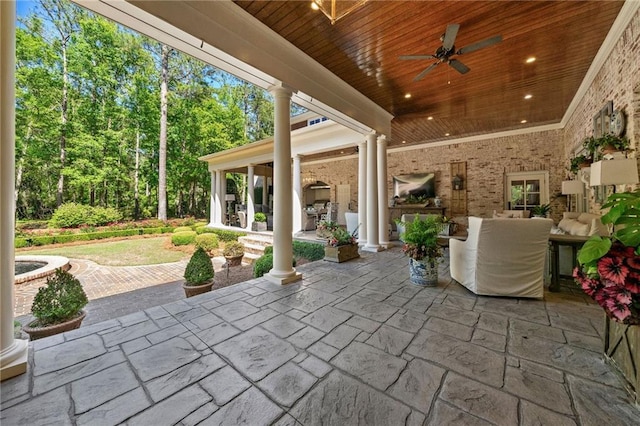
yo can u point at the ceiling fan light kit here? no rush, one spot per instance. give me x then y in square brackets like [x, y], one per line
[445, 52]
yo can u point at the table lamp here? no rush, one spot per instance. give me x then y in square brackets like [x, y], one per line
[570, 187]
[614, 172]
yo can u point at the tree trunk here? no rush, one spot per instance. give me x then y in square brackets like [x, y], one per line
[20, 163]
[136, 192]
[63, 129]
[162, 161]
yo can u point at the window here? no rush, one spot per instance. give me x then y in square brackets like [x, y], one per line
[316, 121]
[526, 189]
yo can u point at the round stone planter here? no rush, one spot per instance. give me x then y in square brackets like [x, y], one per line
[234, 260]
[36, 332]
[423, 272]
[194, 290]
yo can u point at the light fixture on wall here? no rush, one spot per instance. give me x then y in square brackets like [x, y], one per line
[571, 187]
[614, 172]
[336, 9]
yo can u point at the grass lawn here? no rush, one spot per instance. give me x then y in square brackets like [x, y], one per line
[138, 251]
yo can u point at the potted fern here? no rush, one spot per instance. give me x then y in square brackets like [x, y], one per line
[421, 245]
[199, 273]
[57, 306]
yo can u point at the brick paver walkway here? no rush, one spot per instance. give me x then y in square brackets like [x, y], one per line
[101, 282]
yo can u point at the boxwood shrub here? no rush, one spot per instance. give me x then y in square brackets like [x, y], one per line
[182, 229]
[72, 215]
[204, 229]
[264, 264]
[309, 251]
[199, 270]
[208, 242]
[183, 238]
[227, 236]
[60, 300]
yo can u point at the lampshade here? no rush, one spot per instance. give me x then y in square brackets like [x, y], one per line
[336, 9]
[614, 172]
[572, 187]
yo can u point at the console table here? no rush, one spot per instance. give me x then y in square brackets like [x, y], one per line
[395, 213]
[555, 241]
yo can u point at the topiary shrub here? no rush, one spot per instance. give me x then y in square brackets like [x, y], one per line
[70, 215]
[260, 217]
[268, 250]
[208, 242]
[228, 235]
[99, 216]
[182, 229]
[60, 300]
[183, 238]
[264, 264]
[199, 270]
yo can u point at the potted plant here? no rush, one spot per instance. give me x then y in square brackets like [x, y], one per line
[611, 143]
[341, 246]
[198, 275]
[57, 306]
[233, 252]
[541, 211]
[421, 245]
[325, 228]
[609, 272]
[259, 222]
[578, 162]
[448, 226]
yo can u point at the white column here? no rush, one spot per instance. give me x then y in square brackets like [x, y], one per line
[282, 272]
[223, 197]
[297, 196]
[383, 193]
[212, 201]
[250, 190]
[265, 188]
[218, 200]
[13, 352]
[362, 192]
[372, 195]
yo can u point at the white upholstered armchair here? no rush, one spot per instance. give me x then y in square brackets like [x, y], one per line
[502, 257]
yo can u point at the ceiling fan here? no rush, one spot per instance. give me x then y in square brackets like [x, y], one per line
[447, 50]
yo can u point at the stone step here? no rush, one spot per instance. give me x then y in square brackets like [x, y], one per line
[254, 248]
[250, 257]
[261, 240]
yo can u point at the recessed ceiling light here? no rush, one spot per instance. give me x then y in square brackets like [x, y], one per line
[407, 95]
[404, 141]
[429, 118]
[523, 121]
[531, 59]
[528, 96]
[446, 134]
[341, 152]
[314, 6]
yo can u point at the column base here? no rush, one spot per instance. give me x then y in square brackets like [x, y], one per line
[372, 248]
[13, 360]
[387, 244]
[283, 279]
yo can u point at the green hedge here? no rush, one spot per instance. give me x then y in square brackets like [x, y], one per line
[86, 236]
[183, 238]
[264, 264]
[182, 229]
[208, 242]
[227, 236]
[72, 215]
[204, 229]
[309, 251]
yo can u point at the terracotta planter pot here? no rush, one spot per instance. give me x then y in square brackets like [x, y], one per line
[194, 290]
[609, 149]
[36, 332]
[341, 253]
[235, 260]
[584, 165]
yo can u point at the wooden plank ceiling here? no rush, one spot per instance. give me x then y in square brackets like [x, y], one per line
[363, 49]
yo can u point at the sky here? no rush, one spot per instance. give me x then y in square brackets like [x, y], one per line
[23, 7]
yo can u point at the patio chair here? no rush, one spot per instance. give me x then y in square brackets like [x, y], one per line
[502, 257]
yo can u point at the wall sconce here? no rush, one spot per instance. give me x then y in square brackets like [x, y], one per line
[457, 182]
[614, 172]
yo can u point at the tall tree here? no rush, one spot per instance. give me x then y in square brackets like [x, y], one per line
[64, 18]
[162, 161]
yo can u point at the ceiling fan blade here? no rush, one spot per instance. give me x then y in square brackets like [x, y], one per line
[480, 45]
[459, 66]
[450, 36]
[425, 72]
[412, 57]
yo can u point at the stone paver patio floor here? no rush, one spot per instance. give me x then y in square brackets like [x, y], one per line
[352, 344]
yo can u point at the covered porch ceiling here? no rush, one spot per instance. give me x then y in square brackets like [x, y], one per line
[352, 73]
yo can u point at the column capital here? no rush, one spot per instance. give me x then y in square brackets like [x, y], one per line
[382, 139]
[281, 90]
